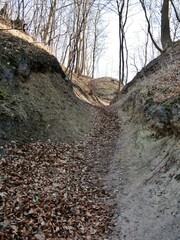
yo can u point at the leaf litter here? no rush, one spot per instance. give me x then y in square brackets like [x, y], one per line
[55, 190]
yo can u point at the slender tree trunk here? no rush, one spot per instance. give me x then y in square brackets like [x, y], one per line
[94, 55]
[19, 9]
[122, 9]
[83, 52]
[94, 45]
[23, 10]
[165, 28]
[49, 22]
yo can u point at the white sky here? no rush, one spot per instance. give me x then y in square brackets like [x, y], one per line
[108, 63]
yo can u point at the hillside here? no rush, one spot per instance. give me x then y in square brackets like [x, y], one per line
[36, 99]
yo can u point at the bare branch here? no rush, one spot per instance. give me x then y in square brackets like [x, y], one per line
[149, 26]
[175, 10]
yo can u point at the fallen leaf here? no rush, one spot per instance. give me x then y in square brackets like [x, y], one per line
[39, 236]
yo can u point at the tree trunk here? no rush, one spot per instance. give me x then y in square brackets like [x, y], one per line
[49, 22]
[165, 28]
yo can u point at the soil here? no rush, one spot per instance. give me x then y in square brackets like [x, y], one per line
[143, 174]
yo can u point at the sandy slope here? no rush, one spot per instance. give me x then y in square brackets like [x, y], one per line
[143, 176]
[145, 168]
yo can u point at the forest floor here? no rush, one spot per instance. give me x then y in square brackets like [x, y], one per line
[57, 191]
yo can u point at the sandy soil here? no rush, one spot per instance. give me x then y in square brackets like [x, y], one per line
[146, 187]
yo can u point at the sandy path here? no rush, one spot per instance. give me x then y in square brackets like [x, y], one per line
[147, 198]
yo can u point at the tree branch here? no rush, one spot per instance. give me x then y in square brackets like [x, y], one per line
[149, 26]
[175, 10]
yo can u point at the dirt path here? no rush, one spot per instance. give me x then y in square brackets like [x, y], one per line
[97, 189]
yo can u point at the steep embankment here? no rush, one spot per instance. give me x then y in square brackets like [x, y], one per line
[145, 170]
[36, 100]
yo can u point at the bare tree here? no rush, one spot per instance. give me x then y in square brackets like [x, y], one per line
[121, 8]
[97, 35]
[84, 22]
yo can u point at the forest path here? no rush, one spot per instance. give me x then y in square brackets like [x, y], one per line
[57, 190]
[97, 189]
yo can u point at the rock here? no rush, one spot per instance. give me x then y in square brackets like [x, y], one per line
[177, 177]
[6, 74]
[164, 116]
[23, 69]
